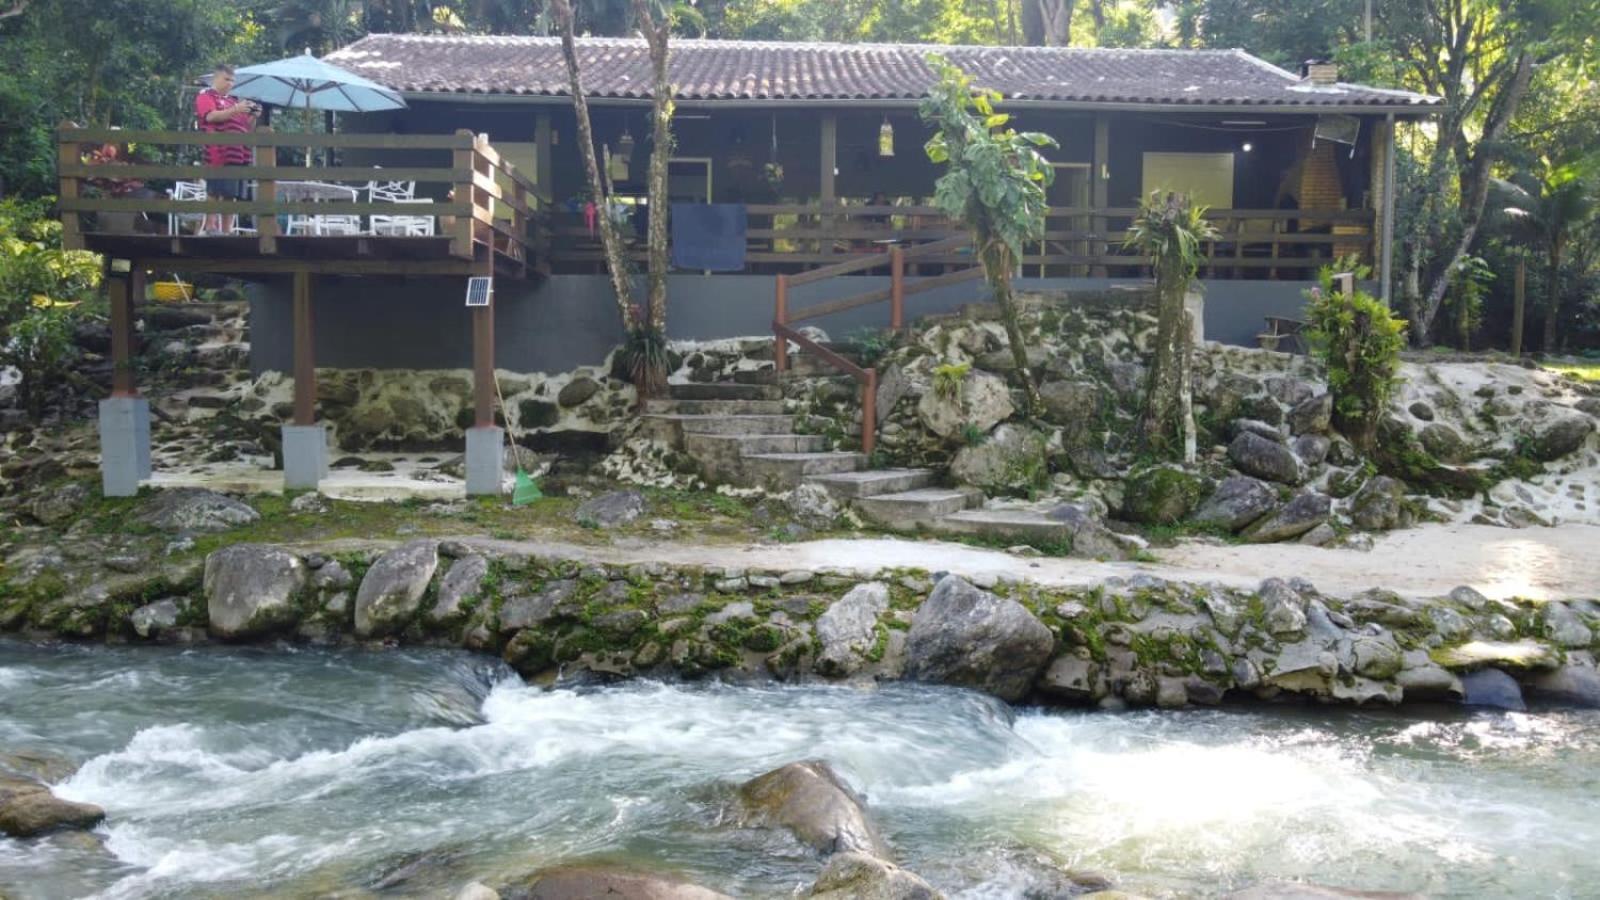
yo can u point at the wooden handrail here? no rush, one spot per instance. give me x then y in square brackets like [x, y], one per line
[867, 377]
[264, 138]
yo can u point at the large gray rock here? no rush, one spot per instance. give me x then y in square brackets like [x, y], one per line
[1421, 678]
[849, 628]
[1011, 461]
[1380, 504]
[1077, 406]
[590, 882]
[1312, 415]
[1560, 436]
[610, 509]
[813, 802]
[1570, 684]
[1492, 688]
[1255, 455]
[577, 391]
[252, 590]
[983, 402]
[29, 809]
[57, 505]
[527, 610]
[1160, 495]
[1312, 448]
[1283, 610]
[152, 619]
[1444, 443]
[858, 876]
[1090, 537]
[193, 509]
[969, 637]
[393, 588]
[1563, 625]
[1305, 512]
[812, 505]
[459, 588]
[1238, 501]
[1073, 678]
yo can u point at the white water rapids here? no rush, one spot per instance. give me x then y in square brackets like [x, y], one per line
[303, 773]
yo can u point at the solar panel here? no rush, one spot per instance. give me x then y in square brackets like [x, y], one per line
[479, 290]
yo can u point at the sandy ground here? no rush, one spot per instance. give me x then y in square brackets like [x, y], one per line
[1544, 563]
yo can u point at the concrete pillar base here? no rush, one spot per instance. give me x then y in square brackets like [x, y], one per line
[124, 445]
[305, 456]
[486, 461]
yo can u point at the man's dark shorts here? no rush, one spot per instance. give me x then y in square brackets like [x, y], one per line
[224, 188]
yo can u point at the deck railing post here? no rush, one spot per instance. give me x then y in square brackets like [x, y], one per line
[120, 292]
[464, 160]
[869, 412]
[780, 315]
[897, 288]
[267, 192]
[67, 154]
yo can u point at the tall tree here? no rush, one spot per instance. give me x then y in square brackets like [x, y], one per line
[656, 26]
[1547, 209]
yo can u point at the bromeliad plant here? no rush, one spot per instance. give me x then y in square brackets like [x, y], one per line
[1169, 229]
[994, 183]
[1359, 340]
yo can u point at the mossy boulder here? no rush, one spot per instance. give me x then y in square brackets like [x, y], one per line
[1161, 495]
[1011, 461]
[253, 590]
[538, 414]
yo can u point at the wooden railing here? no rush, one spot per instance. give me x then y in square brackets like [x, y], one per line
[1076, 240]
[464, 192]
[783, 319]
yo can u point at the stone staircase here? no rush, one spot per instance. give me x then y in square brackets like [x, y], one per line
[738, 434]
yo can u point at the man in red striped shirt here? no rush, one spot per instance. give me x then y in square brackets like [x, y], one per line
[218, 111]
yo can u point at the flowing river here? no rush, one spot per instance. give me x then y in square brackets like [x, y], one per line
[244, 772]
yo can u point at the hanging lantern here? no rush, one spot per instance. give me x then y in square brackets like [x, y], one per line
[886, 138]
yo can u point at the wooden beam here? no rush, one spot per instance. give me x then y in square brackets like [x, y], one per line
[305, 366]
[119, 290]
[282, 266]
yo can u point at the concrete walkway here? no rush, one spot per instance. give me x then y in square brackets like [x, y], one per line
[1536, 563]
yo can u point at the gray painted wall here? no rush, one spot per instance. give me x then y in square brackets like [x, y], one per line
[566, 321]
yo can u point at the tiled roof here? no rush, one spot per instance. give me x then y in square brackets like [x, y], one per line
[706, 70]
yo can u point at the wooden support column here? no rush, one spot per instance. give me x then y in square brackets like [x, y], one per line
[829, 162]
[464, 159]
[121, 288]
[267, 192]
[1099, 188]
[1386, 215]
[897, 288]
[305, 366]
[67, 189]
[483, 356]
[780, 316]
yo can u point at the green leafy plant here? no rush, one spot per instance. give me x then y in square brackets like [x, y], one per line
[871, 345]
[994, 183]
[1359, 340]
[948, 379]
[41, 287]
[1169, 229]
[1467, 292]
[972, 435]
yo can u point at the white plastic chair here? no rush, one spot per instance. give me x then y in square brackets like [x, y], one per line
[404, 226]
[189, 191]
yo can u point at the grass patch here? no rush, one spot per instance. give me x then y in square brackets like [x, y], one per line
[1584, 369]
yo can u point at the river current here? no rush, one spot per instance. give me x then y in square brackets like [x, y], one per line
[297, 772]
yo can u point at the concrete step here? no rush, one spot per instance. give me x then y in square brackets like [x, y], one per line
[785, 471]
[847, 486]
[715, 407]
[671, 427]
[724, 391]
[756, 376]
[1021, 525]
[740, 445]
[910, 510]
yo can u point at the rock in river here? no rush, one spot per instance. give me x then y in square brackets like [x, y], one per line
[1493, 688]
[849, 628]
[28, 808]
[393, 588]
[969, 637]
[588, 882]
[809, 799]
[857, 876]
[252, 590]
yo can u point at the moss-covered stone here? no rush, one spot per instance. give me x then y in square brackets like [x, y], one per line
[1161, 495]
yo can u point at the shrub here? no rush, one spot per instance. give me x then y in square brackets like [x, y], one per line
[1359, 340]
[948, 378]
[41, 286]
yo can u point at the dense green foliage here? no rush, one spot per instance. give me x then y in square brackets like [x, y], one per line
[994, 183]
[1359, 340]
[40, 289]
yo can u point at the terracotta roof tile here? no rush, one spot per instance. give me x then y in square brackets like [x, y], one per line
[706, 70]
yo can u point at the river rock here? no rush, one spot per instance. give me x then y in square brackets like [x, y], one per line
[1238, 501]
[849, 628]
[1010, 461]
[1160, 495]
[577, 391]
[29, 809]
[459, 588]
[194, 509]
[1570, 684]
[252, 590]
[1376, 656]
[56, 505]
[1283, 609]
[152, 619]
[392, 590]
[858, 876]
[1492, 688]
[1564, 626]
[610, 509]
[1562, 435]
[1311, 415]
[477, 890]
[1305, 512]
[982, 402]
[969, 637]
[1294, 890]
[1380, 504]
[588, 882]
[1074, 679]
[1420, 678]
[527, 610]
[1255, 455]
[811, 800]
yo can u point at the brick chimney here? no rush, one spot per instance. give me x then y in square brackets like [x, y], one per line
[1320, 71]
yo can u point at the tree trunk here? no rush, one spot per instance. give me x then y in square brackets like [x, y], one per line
[1186, 389]
[656, 36]
[998, 266]
[1161, 428]
[1552, 302]
[1519, 306]
[1475, 185]
[610, 241]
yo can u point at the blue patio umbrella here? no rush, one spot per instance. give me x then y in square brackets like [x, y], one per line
[305, 82]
